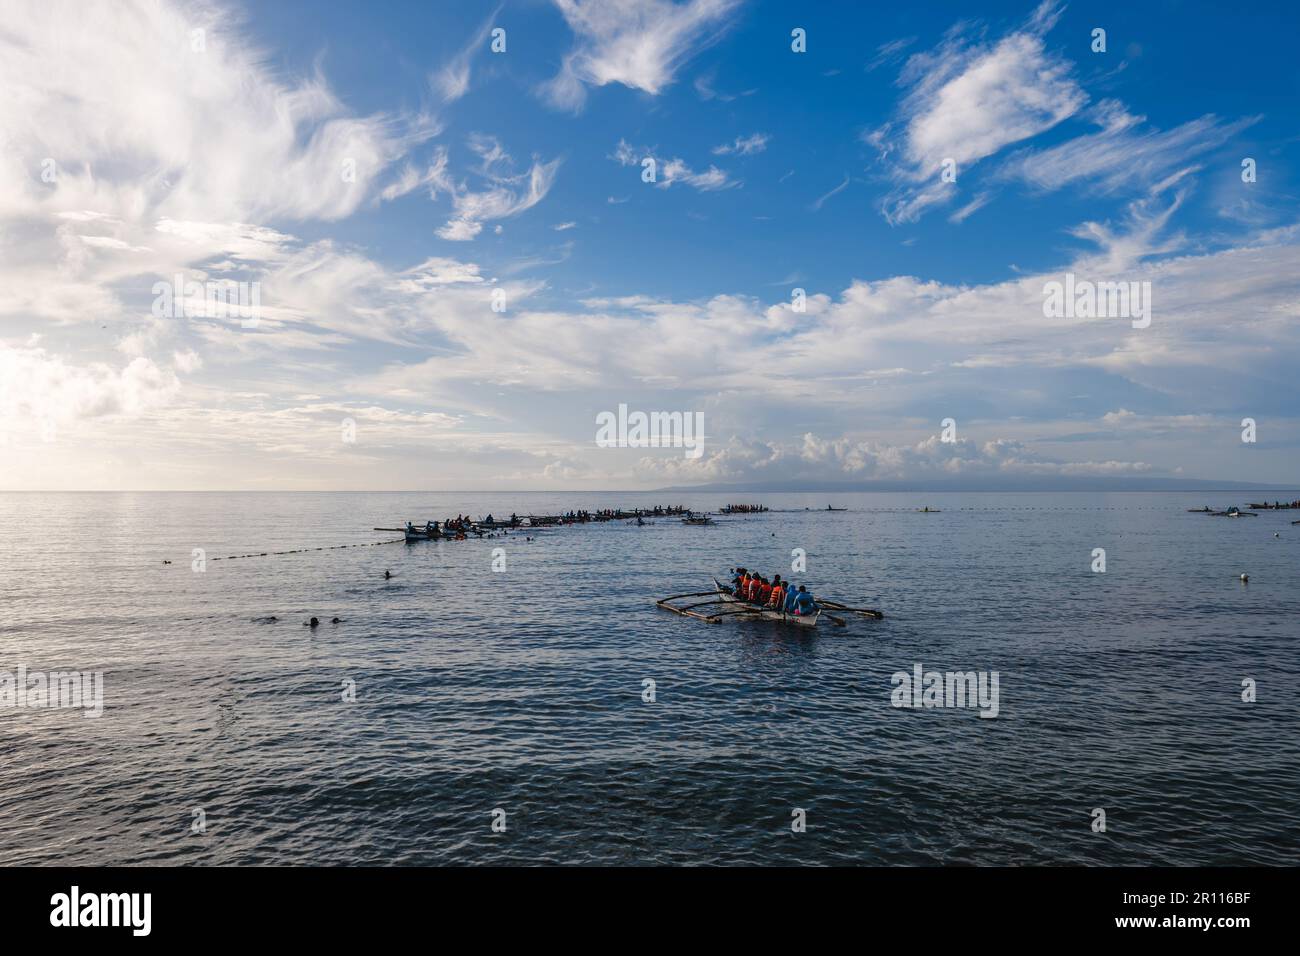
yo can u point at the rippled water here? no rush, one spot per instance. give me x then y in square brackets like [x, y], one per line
[522, 690]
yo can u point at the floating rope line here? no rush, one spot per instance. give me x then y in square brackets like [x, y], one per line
[334, 547]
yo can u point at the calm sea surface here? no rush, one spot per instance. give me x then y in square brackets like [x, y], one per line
[522, 690]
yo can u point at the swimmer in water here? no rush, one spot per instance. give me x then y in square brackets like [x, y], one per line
[387, 575]
[314, 622]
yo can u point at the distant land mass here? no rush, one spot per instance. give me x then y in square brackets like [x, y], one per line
[991, 483]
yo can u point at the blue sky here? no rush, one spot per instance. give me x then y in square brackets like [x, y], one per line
[520, 171]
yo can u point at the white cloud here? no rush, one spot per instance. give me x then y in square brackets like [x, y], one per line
[451, 82]
[814, 458]
[1121, 154]
[744, 145]
[638, 43]
[460, 230]
[972, 207]
[505, 196]
[142, 126]
[674, 170]
[966, 102]
[38, 387]
[821, 200]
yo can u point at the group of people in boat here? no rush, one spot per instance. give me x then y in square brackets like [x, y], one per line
[448, 529]
[1277, 505]
[773, 595]
[744, 509]
[613, 514]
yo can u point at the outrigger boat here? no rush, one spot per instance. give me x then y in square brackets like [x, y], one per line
[732, 607]
[698, 519]
[803, 620]
[729, 606]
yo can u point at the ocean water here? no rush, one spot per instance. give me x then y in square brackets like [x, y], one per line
[522, 690]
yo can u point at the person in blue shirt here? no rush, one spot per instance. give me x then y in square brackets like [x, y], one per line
[791, 595]
[803, 602]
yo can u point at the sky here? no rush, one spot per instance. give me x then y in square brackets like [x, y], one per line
[460, 260]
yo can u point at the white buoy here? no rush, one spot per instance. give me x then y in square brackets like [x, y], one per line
[1245, 578]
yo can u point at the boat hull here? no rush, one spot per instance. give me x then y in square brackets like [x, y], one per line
[800, 620]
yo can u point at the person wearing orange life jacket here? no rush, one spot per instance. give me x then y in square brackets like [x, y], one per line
[764, 593]
[778, 594]
[776, 585]
[738, 581]
[755, 587]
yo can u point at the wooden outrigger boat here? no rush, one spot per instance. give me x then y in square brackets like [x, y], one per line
[803, 620]
[726, 605]
[729, 606]
[698, 519]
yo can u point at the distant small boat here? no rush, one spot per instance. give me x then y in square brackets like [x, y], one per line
[417, 534]
[829, 508]
[699, 519]
[927, 511]
[1207, 510]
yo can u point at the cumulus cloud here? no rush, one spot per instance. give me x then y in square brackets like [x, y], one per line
[814, 458]
[38, 387]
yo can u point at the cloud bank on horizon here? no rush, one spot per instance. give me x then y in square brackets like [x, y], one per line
[826, 235]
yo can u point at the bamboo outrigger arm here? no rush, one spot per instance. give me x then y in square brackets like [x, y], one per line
[864, 611]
